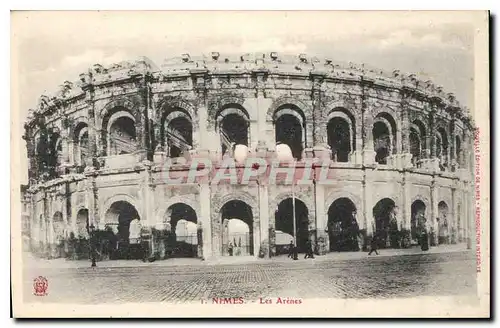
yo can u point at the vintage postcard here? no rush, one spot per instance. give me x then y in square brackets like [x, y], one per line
[249, 164]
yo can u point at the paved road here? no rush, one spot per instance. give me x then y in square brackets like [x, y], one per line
[370, 277]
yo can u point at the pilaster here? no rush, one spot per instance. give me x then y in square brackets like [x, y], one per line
[322, 238]
[264, 219]
[433, 223]
[206, 220]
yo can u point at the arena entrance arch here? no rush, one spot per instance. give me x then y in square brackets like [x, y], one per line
[386, 226]
[418, 220]
[237, 228]
[343, 229]
[185, 238]
[123, 222]
[284, 221]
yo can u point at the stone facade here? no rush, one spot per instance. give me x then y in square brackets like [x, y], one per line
[407, 143]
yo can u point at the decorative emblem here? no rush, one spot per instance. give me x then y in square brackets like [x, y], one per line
[40, 286]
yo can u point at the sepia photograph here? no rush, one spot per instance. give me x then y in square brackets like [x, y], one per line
[240, 164]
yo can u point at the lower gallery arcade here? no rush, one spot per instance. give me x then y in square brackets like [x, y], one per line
[136, 218]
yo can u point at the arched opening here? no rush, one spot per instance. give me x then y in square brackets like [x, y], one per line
[233, 125]
[122, 219]
[284, 221]
[237, 228]
[178, 133]
[82, 223]
[381, 142]
[415, 147]
[53, 154]
[384, 137]
[120, 134]
[290, 130]
[81, 144]
[343, 229]
[418, 220]
[339, 139]
[420, 131]
[442, 149]
[184, 239]
[386, 226]
[443, 223]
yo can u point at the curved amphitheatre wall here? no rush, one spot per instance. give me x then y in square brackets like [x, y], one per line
[417, 116]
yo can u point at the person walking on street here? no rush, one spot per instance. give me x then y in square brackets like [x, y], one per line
[309, 250]
[230, 249]
[374, 245]
[290, 249]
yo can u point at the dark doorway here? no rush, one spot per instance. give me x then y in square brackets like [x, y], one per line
[289, 131]
[383, 212]
[343, 229]
[284, 221]
[417, 219]
[339, 139]
[234, 131]
[381, 142]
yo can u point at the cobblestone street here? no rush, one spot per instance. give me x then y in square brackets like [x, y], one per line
[365, 277]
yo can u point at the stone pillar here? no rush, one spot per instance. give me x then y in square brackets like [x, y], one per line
[206, 220]
[405, 136]
[265, 138]
[256, 234]
[147, 217]
[368, 151]
[44, 226]
[432, 223]
[369, 222]
[454, 226]
[431, 138]
[264, 219]
[452, 158]
[322, 237]
[30, 147]
[467, 218]
[141, 122]
[406, 210]
[92, 159]
[65, 139]
[92, 199]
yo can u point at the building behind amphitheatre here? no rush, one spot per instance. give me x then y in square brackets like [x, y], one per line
[399, 148]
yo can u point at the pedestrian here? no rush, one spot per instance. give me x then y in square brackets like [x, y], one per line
[309, 250]
[424, 241]
[230, 249]
[374, 245]
[290, 249]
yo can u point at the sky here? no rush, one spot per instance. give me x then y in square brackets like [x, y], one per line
[49, 48]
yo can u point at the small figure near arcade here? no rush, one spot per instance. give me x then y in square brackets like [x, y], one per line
[374, 245]
[309, 250]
